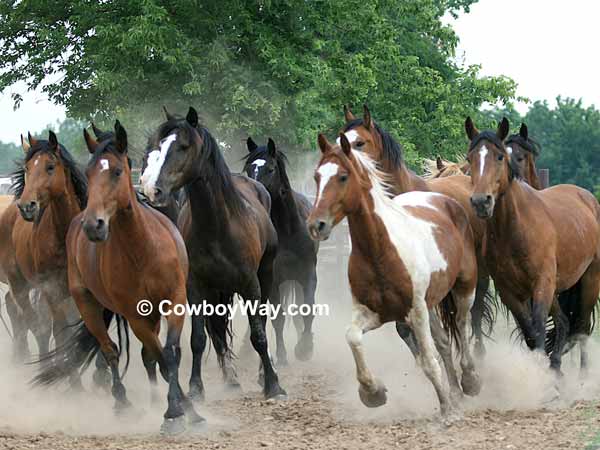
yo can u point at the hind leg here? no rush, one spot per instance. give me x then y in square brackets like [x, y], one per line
[219, 339]
[470, 380]
[278, 325]
[198, 344]
[304, 348]
[590, 290]
[405, 332]
[478, 314]
[444, 348]
[371, 391]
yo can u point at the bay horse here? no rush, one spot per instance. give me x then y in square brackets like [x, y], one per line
[524, 150]
[49, 191]
[122, 252]
[413, 260]
[381, 146]
[543, 247]
[228, 233]
[297, 253]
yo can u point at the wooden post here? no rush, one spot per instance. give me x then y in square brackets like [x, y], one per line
[544, 176]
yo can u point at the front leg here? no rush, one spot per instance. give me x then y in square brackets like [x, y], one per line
[371, 391]
[304, 347]
[197, 341]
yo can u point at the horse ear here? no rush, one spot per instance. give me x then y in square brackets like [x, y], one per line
[97, 131]
[523, 132]
[52, 140]
[472, 131]
[503, 129]
[367, 121]
[271, 148]
[168, 115]
[439, 163]
[345, 143]
[324, 144]
[25, 145]
[192, 117]
[32, 141]
[348, 114]
[120, 137]
[251, 145]
[91, 143]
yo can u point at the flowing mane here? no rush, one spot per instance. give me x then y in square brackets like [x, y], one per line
[392, 150]
[78, 178]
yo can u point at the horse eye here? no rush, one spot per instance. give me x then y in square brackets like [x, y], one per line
[50, 168]
[272, 169]
[360, 144]
[500, 157]
[343, 178]
[118, 172]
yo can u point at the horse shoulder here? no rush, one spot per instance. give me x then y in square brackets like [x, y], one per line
[164, 232]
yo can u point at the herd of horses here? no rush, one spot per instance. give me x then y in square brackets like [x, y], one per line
[423, 254]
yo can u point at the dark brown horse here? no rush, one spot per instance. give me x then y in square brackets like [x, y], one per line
[228, 233]
[523, 151]
[413, 260]
[543, 247]
[122, 252]
[371, 139]
[49, 190]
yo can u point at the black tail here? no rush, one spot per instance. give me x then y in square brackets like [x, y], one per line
[489, 312]
[220, 329]
[447, 311]
[76, 354]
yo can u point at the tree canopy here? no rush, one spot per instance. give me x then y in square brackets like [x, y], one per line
[264, 68]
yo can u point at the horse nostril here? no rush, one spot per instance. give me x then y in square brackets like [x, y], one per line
[158, 192]
[100, 224]
[321, 225]
[488, 198]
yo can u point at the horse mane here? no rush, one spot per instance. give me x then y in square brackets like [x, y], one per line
[78, 178]
[514, 169]
[280, 159]
[392, 150]
[531, 145]
[450, 168]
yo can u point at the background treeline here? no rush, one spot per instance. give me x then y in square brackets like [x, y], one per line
[271, 68]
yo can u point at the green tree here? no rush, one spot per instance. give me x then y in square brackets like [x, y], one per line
[255, 67]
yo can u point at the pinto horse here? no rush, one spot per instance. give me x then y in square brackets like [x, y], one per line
[228, 233]
[413, 260]
[371, 139]
[122, 252]
[543, 247]
[297, 253]
[49, 191]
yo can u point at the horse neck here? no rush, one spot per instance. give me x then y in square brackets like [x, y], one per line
[129, 225]
[284, 212]
[60, 212]
[210, 213]
[532, 177]
[505, 224]
[407, 181]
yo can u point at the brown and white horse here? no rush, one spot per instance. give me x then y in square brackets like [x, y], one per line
[543, 247]
[413, 259]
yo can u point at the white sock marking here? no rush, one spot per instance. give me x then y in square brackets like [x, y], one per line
[154, 163]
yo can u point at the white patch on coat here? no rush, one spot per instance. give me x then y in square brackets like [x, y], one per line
[351, 135]
[104, 165]
[483, 151]
[258, 163]
[154, 163]
[326, 171]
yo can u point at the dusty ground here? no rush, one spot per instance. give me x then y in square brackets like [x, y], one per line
[515, 409]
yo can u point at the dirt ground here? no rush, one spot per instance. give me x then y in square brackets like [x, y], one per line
[517, 408]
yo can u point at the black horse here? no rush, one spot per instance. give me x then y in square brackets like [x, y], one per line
[229, 236]
[297, 253]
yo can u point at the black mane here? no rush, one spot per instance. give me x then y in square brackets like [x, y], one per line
[77, 176]
[514, 169]
[528, 144]
[280, 159]
[392, 150]
[213, 168]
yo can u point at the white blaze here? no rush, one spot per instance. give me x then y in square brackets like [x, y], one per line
[154, 163]
[326, 171]
[258, 163]
[509, 151]
[351, 135]
[483, 151]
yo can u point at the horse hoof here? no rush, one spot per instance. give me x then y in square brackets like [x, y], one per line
[196, 394]
[450, 417]
[373, 399]
[196, 423]
[304, 348]
[102, 379]
[122, 408]
[276, 393]
[471, 384]
[233, 386]
[173, 426]
[261, 379]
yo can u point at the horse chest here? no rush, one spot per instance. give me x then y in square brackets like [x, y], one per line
[39, 255]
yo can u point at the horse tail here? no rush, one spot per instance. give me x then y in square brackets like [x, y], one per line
[76, 354]
[220, 329]
[489, 312]
[447, 312]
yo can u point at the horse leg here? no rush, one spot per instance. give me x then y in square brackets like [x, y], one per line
[543, 299]
[418, 318]
[219, 338]
[590, 289]
[405, 332]
[278, 325]
[92, 313]
[17, 321]
[470, 381]
[444, 348]
[477, 315]
[198, 344]
[304, 348]
[20, 294]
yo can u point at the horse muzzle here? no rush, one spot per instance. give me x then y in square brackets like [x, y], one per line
[96, 229]
[483, 204]
[29, 210]
[319, 229]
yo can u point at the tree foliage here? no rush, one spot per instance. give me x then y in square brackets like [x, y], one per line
[260, 67]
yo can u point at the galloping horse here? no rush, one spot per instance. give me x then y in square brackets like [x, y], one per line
[297, 253]
[229, 236]
[120, 253]
[413, 260]
[382, 147]
[49, 190]
[524, 150]
[543, 247]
